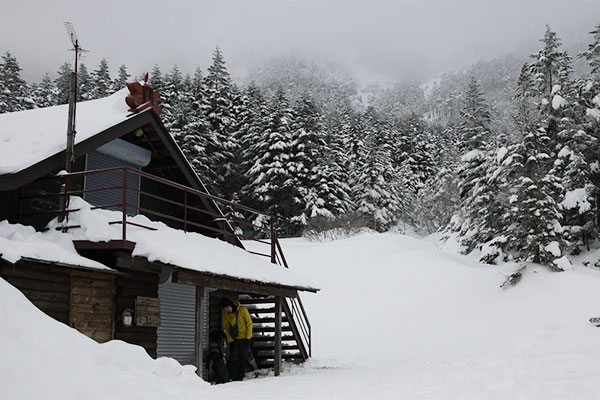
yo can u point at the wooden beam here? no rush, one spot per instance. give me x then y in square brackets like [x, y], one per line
[200, 331]
[110, 245]
[126, 261]
[197, 278]
[277, 356]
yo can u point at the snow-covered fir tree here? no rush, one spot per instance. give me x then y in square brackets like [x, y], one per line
[101, 81]
[122, 79]
[221, 120]
[534, 231]
[156, 79]
[323, 194]
[270, 180]
[44, 93]
[63, 83]
[84, 84]
[551, 71]
[474, 138]
[14, 92]
[176, 99]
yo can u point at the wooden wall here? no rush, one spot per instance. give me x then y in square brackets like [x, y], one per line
[47, 287]
[128, 288]
[92, 304]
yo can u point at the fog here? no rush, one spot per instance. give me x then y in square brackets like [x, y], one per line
[375, 40]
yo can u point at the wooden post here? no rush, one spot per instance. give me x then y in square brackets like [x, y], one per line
[273, 240]
[185, 209]
[277, 360]
[124, 227]
[200, 331]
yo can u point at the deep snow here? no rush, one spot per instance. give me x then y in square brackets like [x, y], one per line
[397, 318]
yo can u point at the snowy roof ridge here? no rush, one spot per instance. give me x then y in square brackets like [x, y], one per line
[30, 136]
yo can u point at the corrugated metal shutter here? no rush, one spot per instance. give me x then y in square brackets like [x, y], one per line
[205, 322]
[97, 160]
[177, 331]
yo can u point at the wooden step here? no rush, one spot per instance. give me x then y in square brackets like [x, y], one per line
[270, 347]
[262, 311]
[263, 338]
[265, 363]
[256, 301]
[267, 320]
[288, 356]
[262, 329]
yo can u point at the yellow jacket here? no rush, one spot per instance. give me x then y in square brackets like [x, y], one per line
[244, 323]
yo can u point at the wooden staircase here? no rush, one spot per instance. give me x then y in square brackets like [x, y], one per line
[295, 331]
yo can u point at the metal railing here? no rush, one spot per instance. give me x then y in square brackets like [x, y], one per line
[186, 215]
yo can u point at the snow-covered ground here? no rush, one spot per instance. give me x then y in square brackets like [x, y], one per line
[397, 318]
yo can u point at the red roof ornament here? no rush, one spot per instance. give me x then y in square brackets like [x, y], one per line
[142, 97]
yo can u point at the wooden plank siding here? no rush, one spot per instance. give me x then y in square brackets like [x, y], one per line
[47, 287]
[128, 288]
[92, 304]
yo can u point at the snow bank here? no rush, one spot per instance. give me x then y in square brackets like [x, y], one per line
[43, 131]
[172, 246]
[398, 318]
[45, 359]
[415, 322]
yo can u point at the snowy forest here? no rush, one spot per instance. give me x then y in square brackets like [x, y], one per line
[503, 157]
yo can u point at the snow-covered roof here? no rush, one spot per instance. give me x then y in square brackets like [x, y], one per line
[23, 242]
[28, 137]
[188, 250]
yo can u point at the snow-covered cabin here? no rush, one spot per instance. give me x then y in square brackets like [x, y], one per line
[143, 253]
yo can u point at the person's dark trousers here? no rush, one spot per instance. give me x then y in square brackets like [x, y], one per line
[238, 357]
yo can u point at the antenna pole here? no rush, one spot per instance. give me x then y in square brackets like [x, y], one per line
[71, 131]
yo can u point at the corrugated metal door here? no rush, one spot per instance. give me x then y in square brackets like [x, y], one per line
[97, 160]
[177, 331]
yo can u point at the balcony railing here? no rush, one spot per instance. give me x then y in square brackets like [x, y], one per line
[176, 205]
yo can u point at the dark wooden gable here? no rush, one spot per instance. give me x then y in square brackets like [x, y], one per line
[20, 192]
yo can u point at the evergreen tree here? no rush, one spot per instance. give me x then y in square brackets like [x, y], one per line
[44, 94]
[176, 100]
[122, 79]
[270, 179]
[253, 122]
[222, 125]
[524, 104]
[195, 136]
[84, 84]
[63, 84]
[14, 92]
[323, 193]
[551, 71]
[534, 232]
[156, 79]
[472, 170]
[101, 81]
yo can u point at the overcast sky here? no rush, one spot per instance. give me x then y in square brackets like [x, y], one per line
[376, 39]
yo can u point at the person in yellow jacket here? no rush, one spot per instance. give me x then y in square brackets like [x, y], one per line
[238, 330]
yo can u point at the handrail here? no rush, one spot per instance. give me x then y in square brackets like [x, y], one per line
[292, 307]
[303, 321]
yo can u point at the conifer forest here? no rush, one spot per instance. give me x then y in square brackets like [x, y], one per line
[503, 157]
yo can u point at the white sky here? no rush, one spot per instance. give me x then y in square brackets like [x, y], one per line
[386, 39]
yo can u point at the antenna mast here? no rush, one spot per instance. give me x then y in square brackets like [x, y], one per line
[70, 150]
[71, 131]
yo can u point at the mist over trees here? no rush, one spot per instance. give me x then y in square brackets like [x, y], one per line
[502, 157]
